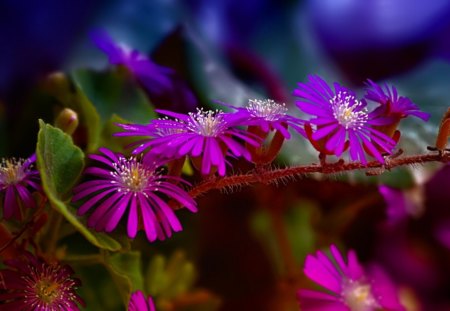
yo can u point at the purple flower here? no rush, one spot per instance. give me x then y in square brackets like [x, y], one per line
[18, 179]
[163, 84]
[350, 287]
[268, 115]
[391, 105]
[30, 283]
[400, 204]
[139, 303]
[206, 136]
[341, 121]
[134, 186]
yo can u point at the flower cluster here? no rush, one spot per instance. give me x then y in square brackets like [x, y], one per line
[341, 121]
[30, 283]
[350, 286]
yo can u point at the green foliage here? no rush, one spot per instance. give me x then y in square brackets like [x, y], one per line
[114, 92]
[171, 278]
[126, 271]
[72, 96]
[60, 163]
[299, 230]
[117, 144]
[262, 228]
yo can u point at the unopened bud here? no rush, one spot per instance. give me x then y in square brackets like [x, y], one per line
[444, 132]
[67, 120]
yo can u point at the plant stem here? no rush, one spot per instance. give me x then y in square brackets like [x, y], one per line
[269, 176]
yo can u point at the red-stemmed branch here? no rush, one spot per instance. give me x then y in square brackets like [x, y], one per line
[270, 175]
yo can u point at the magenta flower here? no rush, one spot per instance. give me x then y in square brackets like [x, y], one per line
[131, 185]
[268, 115]
[341, 121]
[30, 283]
[207, 136]
[392, 105]
[18, 179]
[139, 303]
[350, 287]
[400, 205]
[163, 84]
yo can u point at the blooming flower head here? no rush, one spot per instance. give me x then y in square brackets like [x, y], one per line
[341, 121]
[350, 287]
[18, 179]
[392, 105]
[400, 204]
[135, 186]
[392, 108]
[163, 84]
[206, 136]
[30, 283]
[268, 115]
[138, 302]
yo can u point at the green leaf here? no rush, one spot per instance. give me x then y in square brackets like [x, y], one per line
[72, 96]
[262, 228]
[299, 229]
[171, 278]
[115, 143]
[114, 92]
[125, 268]
[59, 160]
[155, 278]
[60, 163]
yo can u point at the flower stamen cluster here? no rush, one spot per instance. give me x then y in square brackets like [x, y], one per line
[130, 175]
[206, 123]
[348, 111]
[12, 171]
[266, 109]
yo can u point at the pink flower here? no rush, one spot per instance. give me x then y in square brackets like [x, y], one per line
[18, 179]
[122, 185]
[340, 121]
[350, 287]
[30, 283]
[206, 136]
[139, 303]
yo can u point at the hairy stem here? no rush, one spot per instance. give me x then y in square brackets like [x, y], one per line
[272, 175]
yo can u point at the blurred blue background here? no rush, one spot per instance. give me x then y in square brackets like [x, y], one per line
[232, 50]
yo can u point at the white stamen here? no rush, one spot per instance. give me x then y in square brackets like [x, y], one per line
[344, 110]
[207, 123]
[168, 127]
[12, 171]
[132, 176]
[267, 109]
[358, 296]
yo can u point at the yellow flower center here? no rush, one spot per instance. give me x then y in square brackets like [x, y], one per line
[11, 171]
[359, 297]
[47, 290]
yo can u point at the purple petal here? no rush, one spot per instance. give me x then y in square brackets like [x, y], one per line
[148, 218]
[133, 221]
[87, 205]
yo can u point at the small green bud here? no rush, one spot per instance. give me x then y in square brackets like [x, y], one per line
[67, 120]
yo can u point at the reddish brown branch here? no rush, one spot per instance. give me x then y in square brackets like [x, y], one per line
[272, 175]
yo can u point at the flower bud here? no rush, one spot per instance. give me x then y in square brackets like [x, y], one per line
[67, 120]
